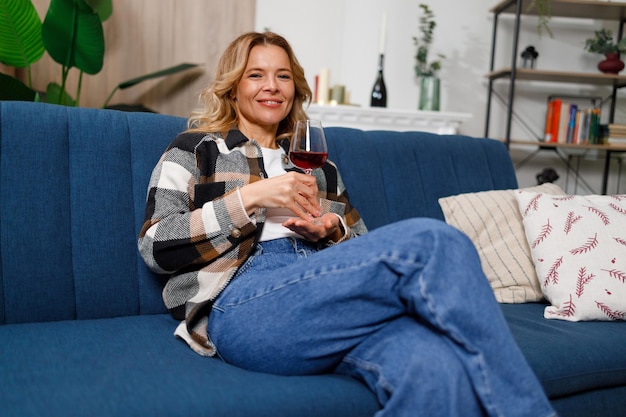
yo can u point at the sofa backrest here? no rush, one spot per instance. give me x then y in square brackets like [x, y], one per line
[73, 184]
[392, 176]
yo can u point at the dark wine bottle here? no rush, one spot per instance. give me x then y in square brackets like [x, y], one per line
[379, 92]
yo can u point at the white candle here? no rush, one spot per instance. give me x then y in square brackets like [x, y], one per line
[323, 84]
[383, 33]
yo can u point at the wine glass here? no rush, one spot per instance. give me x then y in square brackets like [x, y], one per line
[308, 148]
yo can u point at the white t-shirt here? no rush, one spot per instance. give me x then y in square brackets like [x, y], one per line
[273, 228]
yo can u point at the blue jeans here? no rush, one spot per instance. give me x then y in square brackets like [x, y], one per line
[405, 308]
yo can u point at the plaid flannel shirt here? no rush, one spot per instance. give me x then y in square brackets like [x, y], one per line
[196, 228]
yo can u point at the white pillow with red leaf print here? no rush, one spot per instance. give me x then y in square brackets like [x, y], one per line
[578, 245]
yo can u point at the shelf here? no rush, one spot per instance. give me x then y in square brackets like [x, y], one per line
[604, 10]
[561, 76]
[601, 147]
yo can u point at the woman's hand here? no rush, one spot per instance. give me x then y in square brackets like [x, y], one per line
[325, 227]
[293, 190]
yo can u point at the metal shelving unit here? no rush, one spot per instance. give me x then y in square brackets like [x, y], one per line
[605, 10]
[560, 8]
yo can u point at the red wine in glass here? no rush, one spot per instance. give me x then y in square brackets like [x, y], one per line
[308, 148]
[308, 160]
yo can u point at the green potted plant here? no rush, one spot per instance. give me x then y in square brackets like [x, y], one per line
[602, 43]
[427, 70]
[426, 27]
[73, 36]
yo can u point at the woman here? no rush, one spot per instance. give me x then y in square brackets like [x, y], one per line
[253, 259]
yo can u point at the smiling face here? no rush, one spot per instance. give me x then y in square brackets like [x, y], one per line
[265, 93]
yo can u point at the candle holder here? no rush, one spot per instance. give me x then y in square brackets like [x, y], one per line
[529, 55]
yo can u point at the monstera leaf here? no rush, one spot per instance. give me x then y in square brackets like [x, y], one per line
[73, 36]
[20, 33]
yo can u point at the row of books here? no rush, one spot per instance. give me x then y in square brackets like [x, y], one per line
[617, 134]
[572, 123]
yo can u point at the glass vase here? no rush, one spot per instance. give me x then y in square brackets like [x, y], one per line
[429, 93]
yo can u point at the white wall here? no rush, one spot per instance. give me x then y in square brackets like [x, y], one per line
[343, 35]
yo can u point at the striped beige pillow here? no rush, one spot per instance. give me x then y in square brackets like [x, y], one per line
[492, 221]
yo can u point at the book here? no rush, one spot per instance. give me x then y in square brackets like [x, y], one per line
[547, 131]
[569, 120]
[616, 134]
[617, 130]
[594, 127]
[616, 140]
[571, 123]
[563, 123]
[556, 117]
[580, 128]
[584, 134]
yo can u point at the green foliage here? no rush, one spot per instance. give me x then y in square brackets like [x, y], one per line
[104, 8]
[544, 13]
[161, 73]
[73, 36]
[426, 27]
[20, 40]
[71, 33]
[19, 24]
[602, 43]
[12, 89]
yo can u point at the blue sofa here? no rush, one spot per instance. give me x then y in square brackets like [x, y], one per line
[83, 331]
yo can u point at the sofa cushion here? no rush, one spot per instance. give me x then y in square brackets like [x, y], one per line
[134, 366]
[569, 357]
[491, 219]
[578, 244]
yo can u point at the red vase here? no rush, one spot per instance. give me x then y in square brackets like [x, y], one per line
[612, 64]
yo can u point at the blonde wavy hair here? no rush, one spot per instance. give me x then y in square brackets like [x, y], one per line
[218, 113]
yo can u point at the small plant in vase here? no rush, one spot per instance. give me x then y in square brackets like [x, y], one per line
[427, 70]
[602, 43]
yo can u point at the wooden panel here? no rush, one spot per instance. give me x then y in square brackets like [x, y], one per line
[144, 36]
[7, 70]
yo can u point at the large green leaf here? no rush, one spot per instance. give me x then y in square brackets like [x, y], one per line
[56, 95]
[13, 89]
[104, 8]
[20, 33]
[161, 73]
[73, 36]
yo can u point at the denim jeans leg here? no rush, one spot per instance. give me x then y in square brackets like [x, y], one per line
[452, 294]
[411, 367]
[307, 314]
